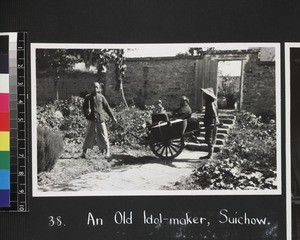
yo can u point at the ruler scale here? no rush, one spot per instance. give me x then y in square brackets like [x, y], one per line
[4, 123]
[18, 124]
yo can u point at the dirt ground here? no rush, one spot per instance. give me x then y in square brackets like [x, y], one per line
[127, 170]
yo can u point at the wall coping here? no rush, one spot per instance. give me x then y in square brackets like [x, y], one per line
[205, 53]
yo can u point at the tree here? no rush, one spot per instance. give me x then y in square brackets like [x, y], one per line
[103, 58]
[200, 51]
[120, 69]
[58, 60]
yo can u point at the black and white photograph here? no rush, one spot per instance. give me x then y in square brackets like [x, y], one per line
[149, 120]
[292, 52]
[156, 119]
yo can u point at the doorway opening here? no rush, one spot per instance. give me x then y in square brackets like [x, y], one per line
[229, 84]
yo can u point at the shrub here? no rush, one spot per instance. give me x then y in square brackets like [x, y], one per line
[132, 119]
[268, 116]
[252, 140]
[74, 123]
[63, 115]
[247, 161]
[49, 148]
[66, 116]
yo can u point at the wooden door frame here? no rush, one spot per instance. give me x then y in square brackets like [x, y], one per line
[244, 59]
[202, 78]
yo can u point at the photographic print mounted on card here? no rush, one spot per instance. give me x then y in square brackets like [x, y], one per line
[156, 119]
[292, 63]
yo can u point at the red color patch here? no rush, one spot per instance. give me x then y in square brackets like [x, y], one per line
[4, 122]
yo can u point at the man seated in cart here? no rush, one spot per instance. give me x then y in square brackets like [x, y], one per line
[185, 112]
[167, 135]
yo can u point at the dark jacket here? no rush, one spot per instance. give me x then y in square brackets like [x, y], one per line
[184, 112]
[98, 104]
[211, 114]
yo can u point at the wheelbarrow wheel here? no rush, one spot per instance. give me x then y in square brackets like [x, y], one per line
[167, 150]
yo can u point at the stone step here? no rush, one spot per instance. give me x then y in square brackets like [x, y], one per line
[227, 121]
[226, 116]
[223, 130]
[226, 126]
[221, 116]
[227, 111]
[218, 141]
[202, 147]
[219, 135]
[223, 120]
[223, 126]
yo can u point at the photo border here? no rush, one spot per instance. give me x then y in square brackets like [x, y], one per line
[37, 193]
[287, 50]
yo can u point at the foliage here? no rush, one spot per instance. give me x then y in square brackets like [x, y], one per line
[250, 120]
[228, 88]
[199, 51]
[49, 148]
[132, 120]
[248, 161]
[196, 51]
[63, 115]
[268, 116]
[66, 116]
[56, 61]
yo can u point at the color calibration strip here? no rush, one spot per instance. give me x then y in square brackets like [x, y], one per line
[4, 123]
[13, 154]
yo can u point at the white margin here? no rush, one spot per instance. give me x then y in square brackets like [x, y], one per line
[287, 48]
[33, 122]
[229, 46]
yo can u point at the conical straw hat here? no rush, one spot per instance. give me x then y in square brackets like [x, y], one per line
[209, 92]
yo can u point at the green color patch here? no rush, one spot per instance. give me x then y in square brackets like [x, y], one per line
[4, 160]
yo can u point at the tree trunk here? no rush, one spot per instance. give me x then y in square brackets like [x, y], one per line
[56, 89]
[56, 80]
[88, 58]
[123, 96]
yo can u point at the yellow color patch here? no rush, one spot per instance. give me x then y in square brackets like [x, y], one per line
[4, 141]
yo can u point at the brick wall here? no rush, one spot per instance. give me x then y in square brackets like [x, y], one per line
[259, 86]
[148, 80]
[70, 84]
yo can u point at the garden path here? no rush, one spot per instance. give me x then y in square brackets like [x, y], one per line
[136, 174]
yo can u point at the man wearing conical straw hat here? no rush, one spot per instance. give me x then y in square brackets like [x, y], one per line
[211, 120]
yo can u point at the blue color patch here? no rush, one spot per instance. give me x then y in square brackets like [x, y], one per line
[4, 179]
[4, 63]
[4, 198]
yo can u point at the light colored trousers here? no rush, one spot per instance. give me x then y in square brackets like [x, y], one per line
[100, 130]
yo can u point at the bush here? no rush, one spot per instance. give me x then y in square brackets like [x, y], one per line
[132, 119]
[247, 161]
[252, 140]
[63, 115]
[49, 148]
[66, 116]
[261, 119]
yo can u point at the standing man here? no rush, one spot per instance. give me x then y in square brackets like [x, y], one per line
[94, 106]
[211, 120]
